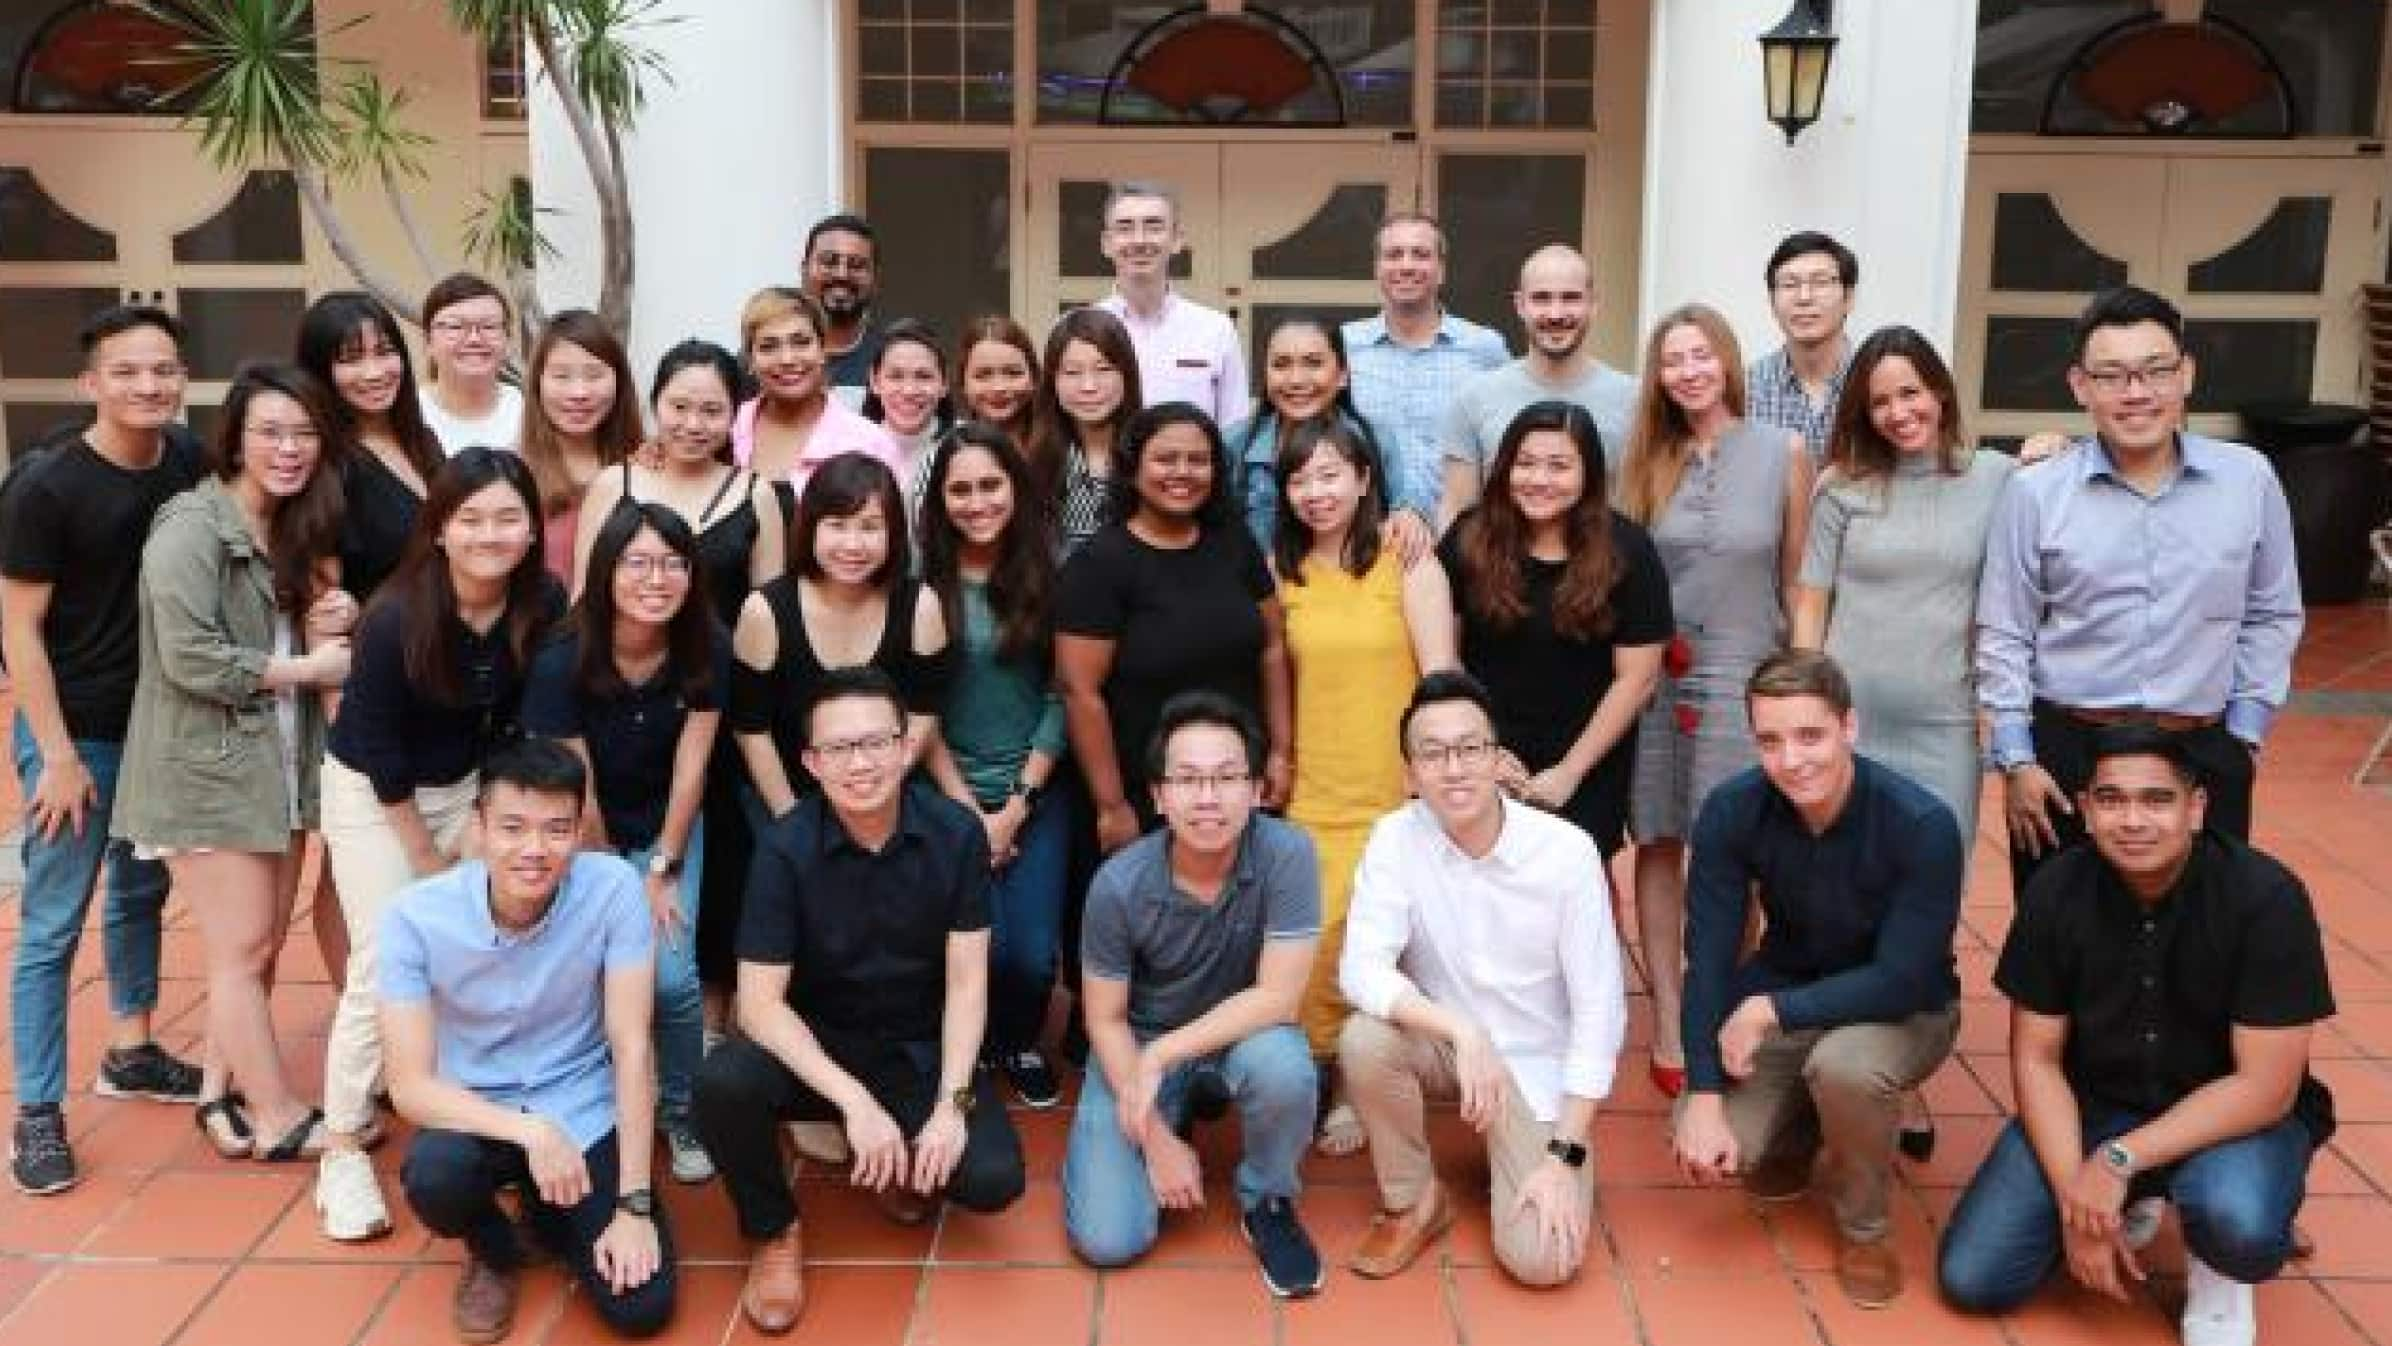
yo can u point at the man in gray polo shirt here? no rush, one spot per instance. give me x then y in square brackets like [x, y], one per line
[1196, 946]
[1556, 304]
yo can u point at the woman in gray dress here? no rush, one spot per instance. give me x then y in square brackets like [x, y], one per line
[1889, 579]
[1727, 502]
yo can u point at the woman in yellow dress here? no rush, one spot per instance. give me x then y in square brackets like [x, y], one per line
[1361, 628]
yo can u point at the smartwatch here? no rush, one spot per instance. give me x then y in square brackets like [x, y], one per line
[1570, 1152]
[641, 1203]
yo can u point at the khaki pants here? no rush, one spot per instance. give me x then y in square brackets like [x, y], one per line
[1839, 1089]
[370, 869]
[1390, 1075]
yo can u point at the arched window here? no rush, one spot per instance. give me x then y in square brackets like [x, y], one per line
[95, 57]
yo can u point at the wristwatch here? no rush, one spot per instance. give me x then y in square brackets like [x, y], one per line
[2117, 1158]
[1027, 793]
[1570, 1152]
[664, 865]
[964, 1100]
[641, 1203]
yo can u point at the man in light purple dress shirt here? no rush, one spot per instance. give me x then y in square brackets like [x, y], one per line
[1186, 352]
[2147, 576]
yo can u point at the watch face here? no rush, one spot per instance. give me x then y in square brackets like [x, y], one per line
[642, 1204]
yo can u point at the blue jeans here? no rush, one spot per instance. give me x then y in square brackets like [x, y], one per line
[59, 873]
[1025, 907]
[680, 1009]
[2237, 1201]
[1109, 1208]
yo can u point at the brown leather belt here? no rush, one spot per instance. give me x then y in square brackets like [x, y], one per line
[2157, 719]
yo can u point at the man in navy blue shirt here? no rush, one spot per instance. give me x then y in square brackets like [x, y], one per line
[1851, 999]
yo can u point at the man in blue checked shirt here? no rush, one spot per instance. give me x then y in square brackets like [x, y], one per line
[1408, 359]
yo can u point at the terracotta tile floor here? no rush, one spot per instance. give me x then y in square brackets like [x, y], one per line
[163, 1242]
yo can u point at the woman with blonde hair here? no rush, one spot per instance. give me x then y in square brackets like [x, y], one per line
[793, 425]
[1727, 502]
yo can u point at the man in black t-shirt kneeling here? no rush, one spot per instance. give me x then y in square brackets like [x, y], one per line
[863, 991]
[2164, 981]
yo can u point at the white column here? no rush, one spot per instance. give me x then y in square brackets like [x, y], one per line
[731, 161]
[1884, 169]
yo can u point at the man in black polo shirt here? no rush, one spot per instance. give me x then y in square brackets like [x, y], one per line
[863, 989]
[2163, 983]
[1808, 1045]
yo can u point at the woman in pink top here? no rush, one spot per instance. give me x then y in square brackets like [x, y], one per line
[583, 417]
[793, 425]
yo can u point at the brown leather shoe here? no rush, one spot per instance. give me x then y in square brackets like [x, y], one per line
[905, 1206]
[1869, 1273]
[775, 1296]
[1397, 1237]
[1779, 1177]
[484, 1309]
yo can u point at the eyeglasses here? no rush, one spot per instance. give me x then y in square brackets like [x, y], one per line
[1140, 228]
[1202, 783]
[863, 745]
[642, 566]
[1791, 285]
[1470, 752]
[451, 327]
[2158, 376]
[281, 436]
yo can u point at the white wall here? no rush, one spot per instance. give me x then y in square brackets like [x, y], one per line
[1884, 169]
[729, 165]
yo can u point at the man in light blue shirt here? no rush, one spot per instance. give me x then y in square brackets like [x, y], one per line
[1407, 361]
[516, 993]
[2145, 577]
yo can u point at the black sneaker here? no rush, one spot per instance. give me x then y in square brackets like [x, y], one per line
[1033, 1080]
[39, 1160]
[1291, 1266]
[147, 1072]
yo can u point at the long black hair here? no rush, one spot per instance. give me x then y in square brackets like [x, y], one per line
[427, 597]
[333, 329]
[1291, 537]
[1021, 584]
[689, 637]
[1341, 406]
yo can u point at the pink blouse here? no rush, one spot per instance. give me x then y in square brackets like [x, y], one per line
[838, 431]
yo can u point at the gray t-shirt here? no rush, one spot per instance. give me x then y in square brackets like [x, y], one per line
[1180, 956]
[1484, 407]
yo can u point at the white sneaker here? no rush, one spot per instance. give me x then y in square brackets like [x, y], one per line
[823, 1142]
[349, 1197]
[2140, 1224]
[2218, 1310]
[690, 1162]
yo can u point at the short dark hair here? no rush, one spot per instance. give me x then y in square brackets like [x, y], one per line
[2143, 740]
[842, 223]
[2127, 306]
[857, 682]
[1801, 673]
[542, 766]
[1804, 242]
[1203, 708]
[118, 319]
[1442, 687]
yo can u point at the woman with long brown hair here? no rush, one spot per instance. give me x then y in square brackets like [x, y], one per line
[1086, 397]
[1727, 501]
[584, 418]
[996, 376]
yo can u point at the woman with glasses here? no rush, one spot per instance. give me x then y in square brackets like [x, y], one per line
[238, 642]
[467, 326]
[1172, 596]
[1727, 501]
[1361, 628]
[635, 685]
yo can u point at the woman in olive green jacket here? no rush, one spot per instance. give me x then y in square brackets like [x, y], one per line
[240, 632]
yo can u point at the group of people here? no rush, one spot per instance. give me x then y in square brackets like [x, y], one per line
[769, 760]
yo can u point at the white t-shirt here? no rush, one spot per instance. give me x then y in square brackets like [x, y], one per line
[498, 430]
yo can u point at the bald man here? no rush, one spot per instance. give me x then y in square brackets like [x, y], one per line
[1556, 304]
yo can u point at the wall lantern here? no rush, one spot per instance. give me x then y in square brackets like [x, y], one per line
[1794, 59]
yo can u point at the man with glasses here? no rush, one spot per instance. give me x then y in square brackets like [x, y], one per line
[1811, 280]
[863, 992]
[2145, 577]
[1482, 965]
[1196, 946]
[1798, 1052]
[1186, 352]
[2164, 983]
[72, 521]
[841, 272]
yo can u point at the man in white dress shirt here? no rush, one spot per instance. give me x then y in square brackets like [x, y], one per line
[1186, 352]
[1481, 964]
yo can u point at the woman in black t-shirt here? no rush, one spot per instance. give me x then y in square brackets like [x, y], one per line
[1564, 614]
[1170, 596]
[388, 455]
[635, 687]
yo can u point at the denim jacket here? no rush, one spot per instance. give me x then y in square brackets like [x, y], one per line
[203, 762]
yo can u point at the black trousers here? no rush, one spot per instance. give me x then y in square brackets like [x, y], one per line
[452, 1181]
[2064, 747]
[744, 1094]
